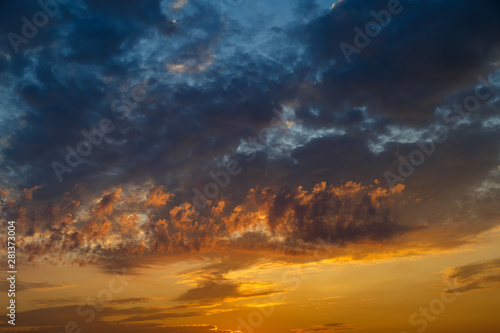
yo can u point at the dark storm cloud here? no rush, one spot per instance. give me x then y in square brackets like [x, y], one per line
[419, 58]
[176, 127]
[59, 107]
[14, 15]
[185, 127]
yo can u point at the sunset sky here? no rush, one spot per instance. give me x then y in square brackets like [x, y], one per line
[255, 166]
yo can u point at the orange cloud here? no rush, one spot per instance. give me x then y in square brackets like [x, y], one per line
[105, 206]
[28, 193]
[158, 197]
[360, 219]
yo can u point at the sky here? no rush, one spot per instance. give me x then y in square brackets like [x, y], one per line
[223, 166]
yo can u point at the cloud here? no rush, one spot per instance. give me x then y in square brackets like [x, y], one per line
[478, 275]
[105, 206]
[158, 197]
[327, 328]
[36, 286]
[54, 318]
[131, 328]
[54, 302]
[398, 74]
[147, 313]
[212, 291]
[310, 189]
[123, 226]
[222, 76]
[131, 300]
[28, 193]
